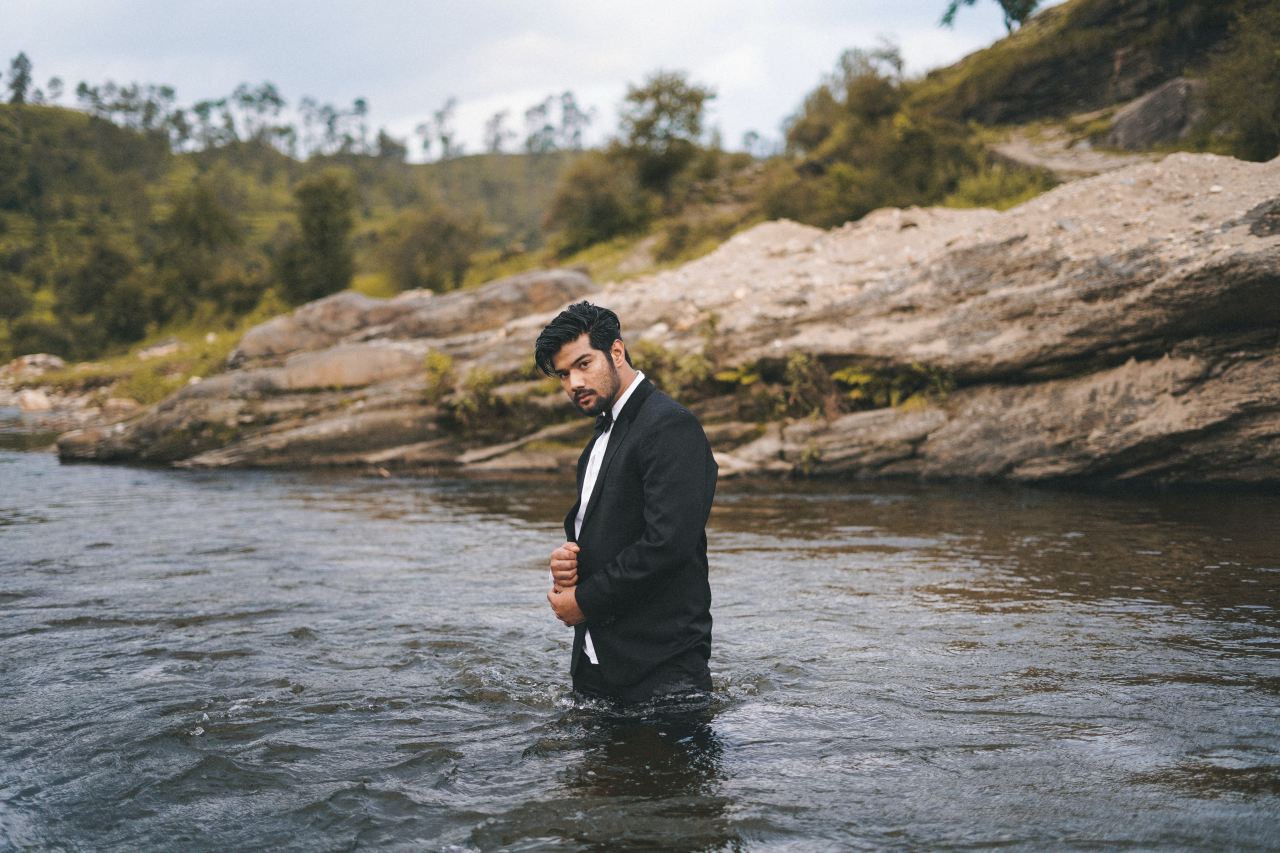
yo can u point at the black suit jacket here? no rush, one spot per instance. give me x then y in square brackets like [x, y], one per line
[642, 568]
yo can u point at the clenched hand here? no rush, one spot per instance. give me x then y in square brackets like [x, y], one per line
[564, 566]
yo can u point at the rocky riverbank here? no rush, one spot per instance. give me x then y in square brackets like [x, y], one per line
[1122, 327]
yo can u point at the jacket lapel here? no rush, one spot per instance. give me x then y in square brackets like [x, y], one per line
[569, 519]
[617, 437]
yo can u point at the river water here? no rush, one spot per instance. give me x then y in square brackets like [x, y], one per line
[302, 661]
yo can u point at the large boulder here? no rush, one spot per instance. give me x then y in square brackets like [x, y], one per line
[415, 314]
[1123, 327]
[1164, 115]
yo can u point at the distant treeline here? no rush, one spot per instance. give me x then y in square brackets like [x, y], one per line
[261, 114]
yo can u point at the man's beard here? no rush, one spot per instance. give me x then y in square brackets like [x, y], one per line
[604, 396]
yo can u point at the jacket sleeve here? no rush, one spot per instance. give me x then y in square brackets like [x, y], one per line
[678, 475]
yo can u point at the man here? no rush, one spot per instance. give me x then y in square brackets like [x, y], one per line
[632, 577]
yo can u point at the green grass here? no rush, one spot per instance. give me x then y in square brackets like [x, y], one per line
[999, 187]
[375, 284]
[202, 353]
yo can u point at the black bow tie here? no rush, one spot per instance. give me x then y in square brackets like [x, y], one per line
[604, 421]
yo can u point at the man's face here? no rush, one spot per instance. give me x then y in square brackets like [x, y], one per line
[587, 375]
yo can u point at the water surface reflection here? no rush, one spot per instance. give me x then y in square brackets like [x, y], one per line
[300, 661]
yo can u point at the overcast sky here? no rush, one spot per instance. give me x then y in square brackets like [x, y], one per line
[406, 57]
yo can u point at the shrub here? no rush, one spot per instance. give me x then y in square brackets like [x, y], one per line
[1000, 187]
[317, 259]
[682, 375]
[809, 390]
[596, 198]
[878, 388]
[438, 371]
[431, 248]
[1249, 115]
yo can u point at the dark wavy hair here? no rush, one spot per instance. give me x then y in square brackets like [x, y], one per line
[599, 324]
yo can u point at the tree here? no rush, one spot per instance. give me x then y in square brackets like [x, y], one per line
[390, 148]
[661, 124]
[360, 112]
[102, 299]
[260, 106]
[19, 79]
[540, 133]
[573, 122]
[496, 134]
[1015, 11]
[317, 260]
[442, 127]
[431, 248]
[194, 260]
[426, 138]
[596, 198]
[14, 301]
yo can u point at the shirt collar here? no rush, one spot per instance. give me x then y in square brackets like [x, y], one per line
[626, 395]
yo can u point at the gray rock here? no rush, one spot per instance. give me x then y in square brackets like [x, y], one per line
[413, 315]
[1163, 115]
[313, 326]
[348, 366]
[34, 400]
[1123, 327]
[28, 366]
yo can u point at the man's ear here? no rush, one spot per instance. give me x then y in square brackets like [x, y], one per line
[619, 353]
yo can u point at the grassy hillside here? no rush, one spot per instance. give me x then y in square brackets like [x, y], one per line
[1079, 56]
[109, 239]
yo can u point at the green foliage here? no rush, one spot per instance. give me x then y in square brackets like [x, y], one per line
[19, 79]
[1249, 115]
[1077, 56]
[680, 374]
[318, 260]
[149, 384]
[864, 148]
[810, 456]
[661, 123]
[999, 187]
[876, 388]
[201, 261]
[597, 198]
[690, 237]
[14, 299]
[206, 233]
[512, 192]
[437, 368]
[431, 248]
[744, 375]
[809, 390]
[1015, 11]
[201, 353]
[473, 408]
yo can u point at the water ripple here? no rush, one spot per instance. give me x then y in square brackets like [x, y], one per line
[304, 661]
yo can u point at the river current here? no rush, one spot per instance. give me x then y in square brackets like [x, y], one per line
[322, 662]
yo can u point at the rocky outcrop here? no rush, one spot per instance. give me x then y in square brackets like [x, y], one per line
[417, 314]
[1164, 115]
[1123, 327]
[32, 415]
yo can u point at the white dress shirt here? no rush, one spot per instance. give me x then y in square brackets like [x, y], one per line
[589, 483]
